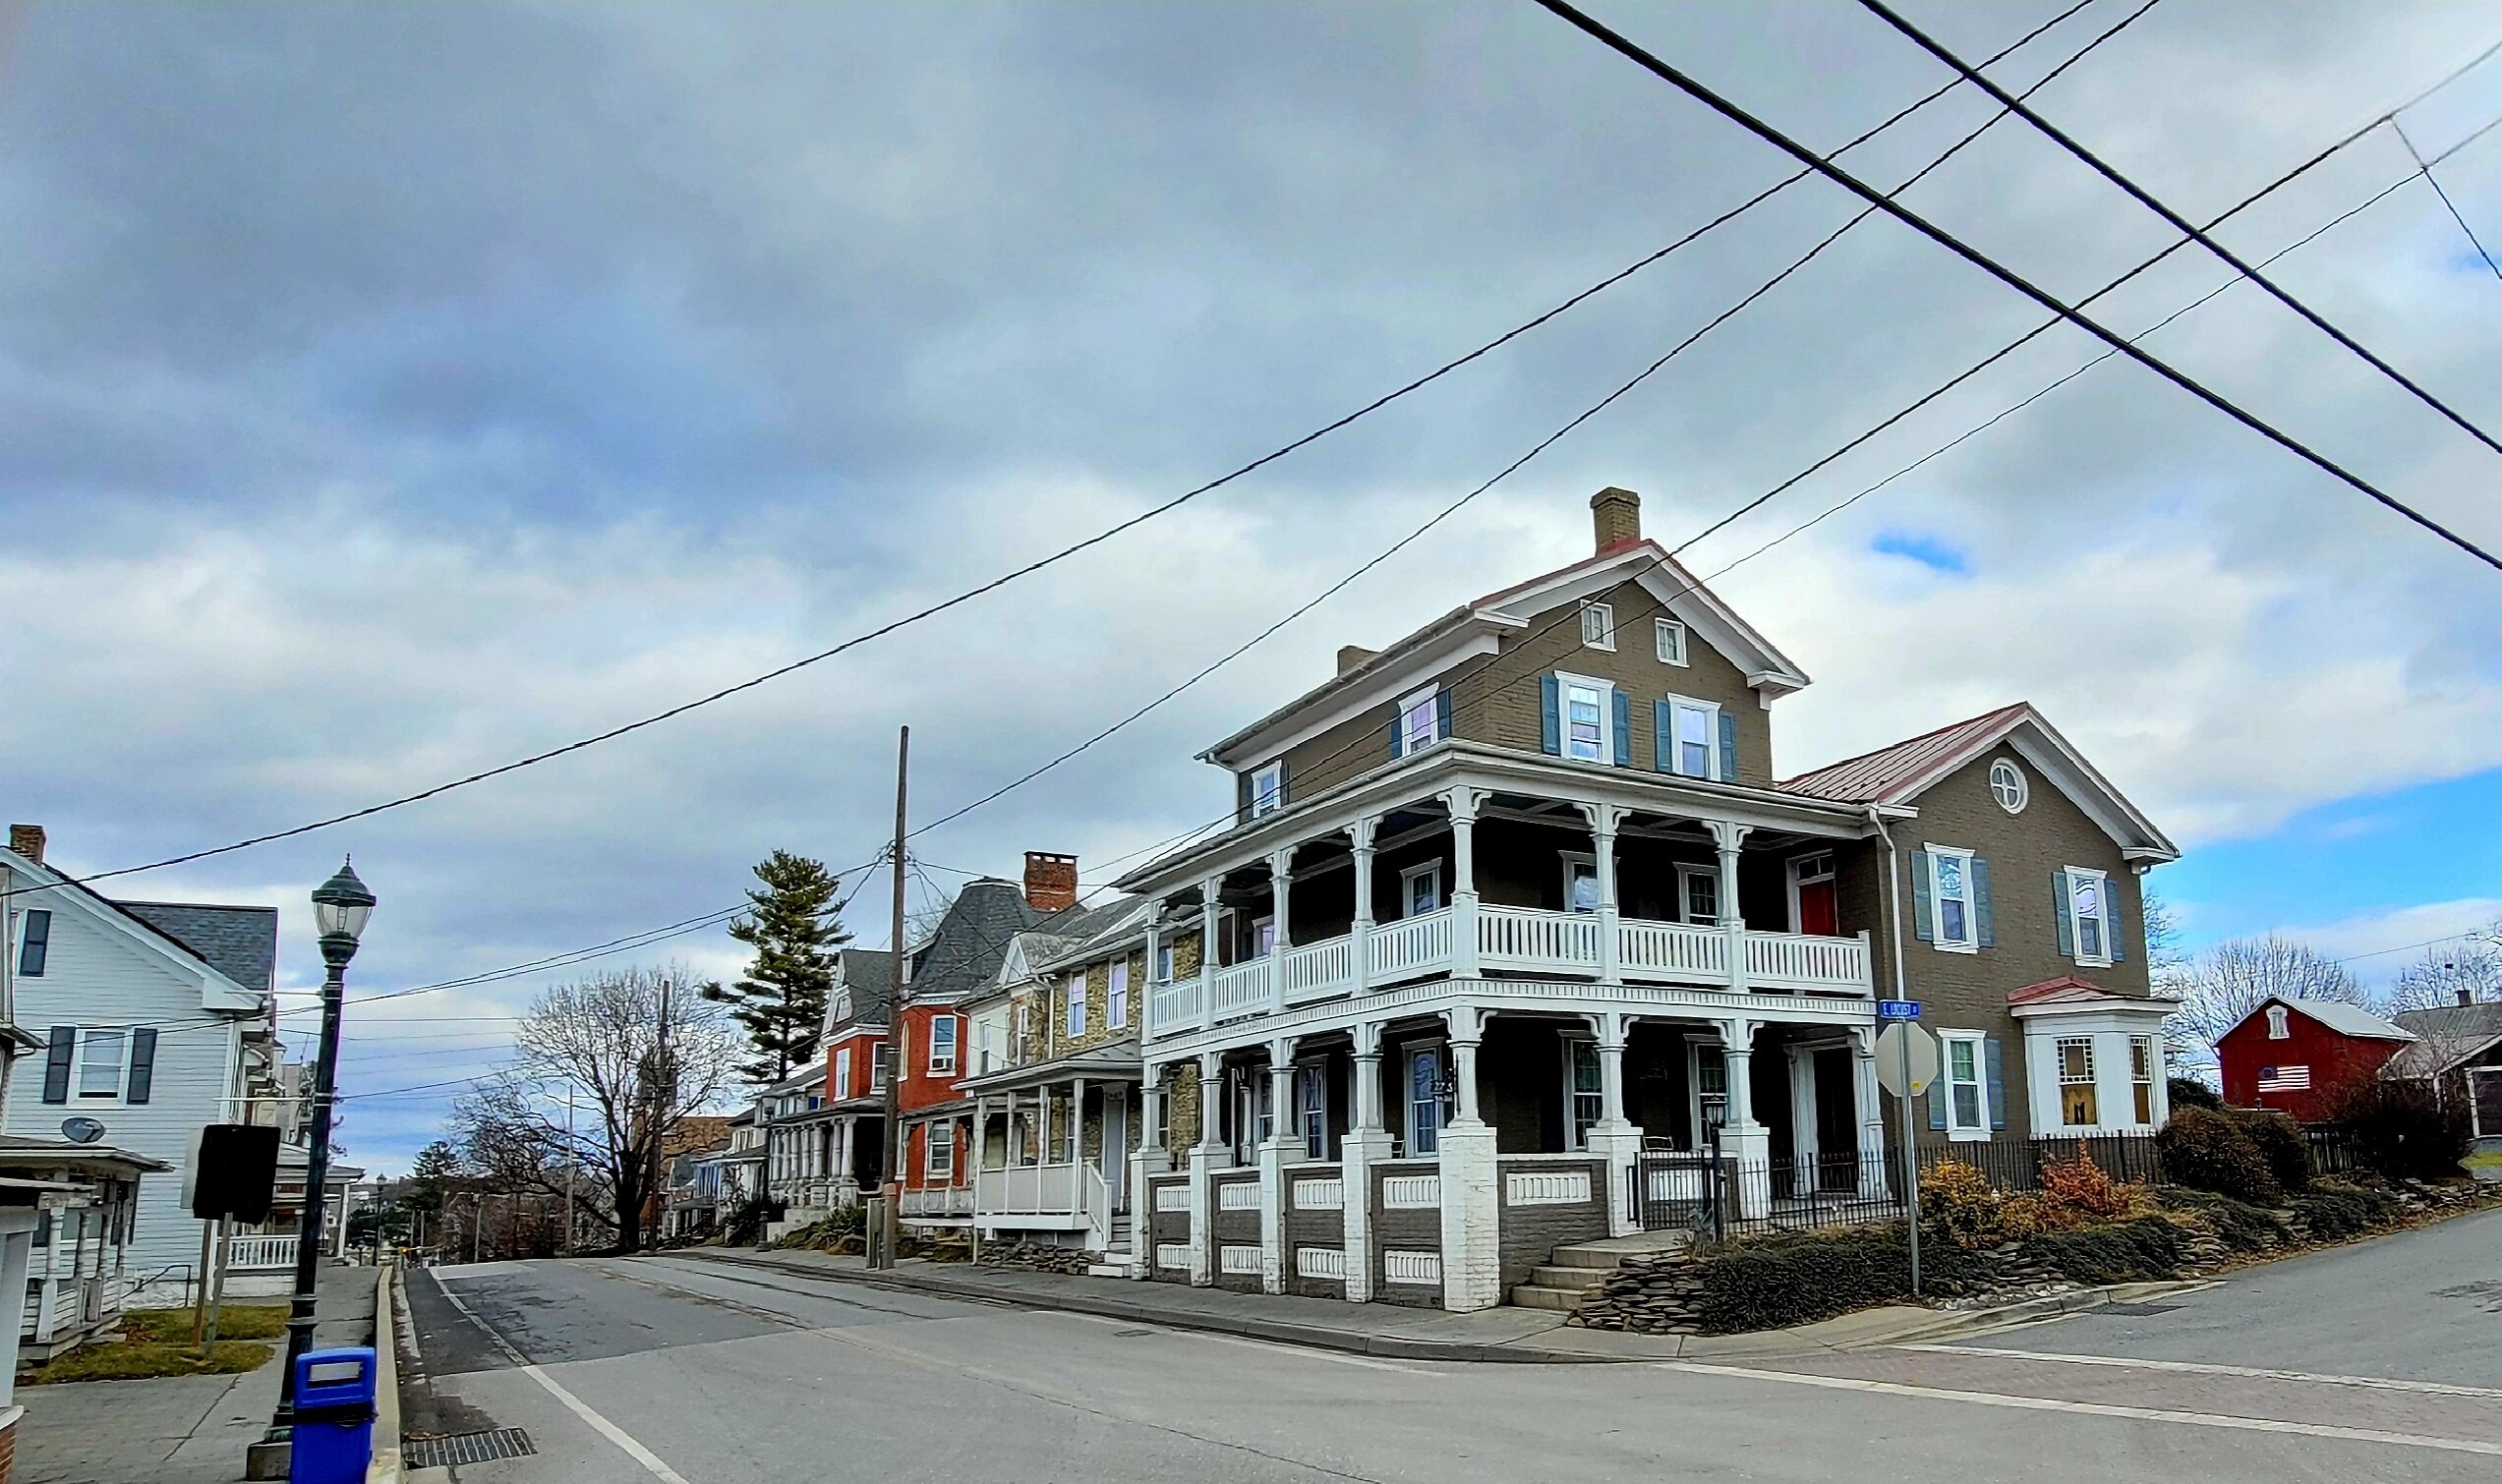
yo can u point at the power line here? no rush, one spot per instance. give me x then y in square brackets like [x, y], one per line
[1825, 167]
[2447, 204]
[2180, 223]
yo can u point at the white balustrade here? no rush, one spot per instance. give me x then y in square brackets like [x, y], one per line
[1673, 951]
[1028, 1190]
[1175, 1006]
[1798, 960]
[1524, 938]
[1241, 990]
[259, 1254]
[1319, 970]
[1412, 945]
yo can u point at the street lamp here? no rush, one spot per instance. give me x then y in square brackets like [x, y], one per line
[341, 907]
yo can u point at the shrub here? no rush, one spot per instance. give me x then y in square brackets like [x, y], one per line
[2403, 1129]
[1958, 1205]
[2280, 1142]
[2189, 1092]
[746, 1224]
[2113, 1252]
[1786, 1281]
[2207, 1150]
[2239, 1224]
[2075, 1191]
[2339, 1211]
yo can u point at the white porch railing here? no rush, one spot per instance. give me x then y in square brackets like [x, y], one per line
[1522, 940]
[259, 1254]
[1027, 1190]
[1098, 1203]
[945, 1200]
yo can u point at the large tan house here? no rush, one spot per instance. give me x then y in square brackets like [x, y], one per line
[1522, 899]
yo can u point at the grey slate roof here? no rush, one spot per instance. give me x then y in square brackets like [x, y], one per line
[964, 954]
[240, 942]
[870, 975]
[2446, 1033]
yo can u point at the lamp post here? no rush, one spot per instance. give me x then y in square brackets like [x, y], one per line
[341, 907]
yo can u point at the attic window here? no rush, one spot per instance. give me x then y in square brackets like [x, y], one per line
[1268, 789]
[2276, 1027]
[2008, 786]
[1597, 626]
[1667, 636]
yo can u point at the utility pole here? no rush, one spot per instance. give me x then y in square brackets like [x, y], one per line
[569, 1161]
[893, 1110]
[663, 1089]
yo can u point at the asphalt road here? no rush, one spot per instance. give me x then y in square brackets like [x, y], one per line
[671, 1369]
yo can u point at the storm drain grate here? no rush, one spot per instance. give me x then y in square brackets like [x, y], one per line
[2140, 1308]
[467, 1448]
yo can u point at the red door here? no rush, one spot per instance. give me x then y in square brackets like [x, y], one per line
[1818, 911]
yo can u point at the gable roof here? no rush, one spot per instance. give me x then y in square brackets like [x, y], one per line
[1436, 645]
[2343, 1018]
[240, 942]
[2069, 994]
[2446, 1035]
[220, 990]
[1901, 772]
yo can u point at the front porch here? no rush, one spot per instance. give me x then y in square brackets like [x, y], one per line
[1052, 1145]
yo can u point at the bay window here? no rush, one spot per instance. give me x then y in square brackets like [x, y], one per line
[2078, 1104]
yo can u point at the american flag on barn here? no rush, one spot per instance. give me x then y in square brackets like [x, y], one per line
[2285, 1079]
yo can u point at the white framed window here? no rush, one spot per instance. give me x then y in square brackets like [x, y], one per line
[1116, 996]
[1263, 936]
[1075, 1024]
[2277, 1029]
[942, 1034]
[1597, 626]
[1667, 639]
[2089, 915]
[2009, 787]
[1268, 788]
[1584, 1101]
[1964, 1071]
[1699, 894]
[1581, 882]
[1950, 900]
[843, 1074]
[1586, 717]
[1312, 1105]
[1162, 970]
[877, 1066]
[1421, 890]
[2142, 1062]
[100, 1061]
[939, 1153]
[1694, 736]
[1420, 721]
[2080, 1107]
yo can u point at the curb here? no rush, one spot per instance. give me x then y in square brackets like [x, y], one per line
[384, 1469]
[2031, 1310]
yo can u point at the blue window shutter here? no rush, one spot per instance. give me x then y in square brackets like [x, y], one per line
[1551, 724]
[1398, 733]
[1940, 1093]
[2059, 914]
[1728, 746]
[1997, 1082]
[1442, 714]
[142, 1079]
[1924, 916]
[1663, 737]
[64, 1041]
[2114, 937]
[1624, 728]
[1981, 903]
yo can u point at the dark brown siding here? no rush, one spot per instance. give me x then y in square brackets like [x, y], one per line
[1532, 1233]
[1355, 746]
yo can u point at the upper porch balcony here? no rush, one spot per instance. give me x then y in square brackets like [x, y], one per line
[1477, 863]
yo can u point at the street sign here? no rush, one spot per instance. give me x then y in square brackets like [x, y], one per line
[1898, 1010]
[1907, 1060]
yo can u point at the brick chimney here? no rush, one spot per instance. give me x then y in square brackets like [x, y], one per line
[1353, 655]
[1616, 518]
[27, 841]
[1050, 881]
[2467, 996]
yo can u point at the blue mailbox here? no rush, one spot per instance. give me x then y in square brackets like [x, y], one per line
[333, 1438]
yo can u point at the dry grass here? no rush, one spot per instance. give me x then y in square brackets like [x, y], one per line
[255, 1321]
[148, 1362]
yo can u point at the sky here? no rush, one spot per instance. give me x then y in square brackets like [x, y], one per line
[388, 392]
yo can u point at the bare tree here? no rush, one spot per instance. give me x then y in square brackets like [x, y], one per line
[2220, 986]
[634, 1081]
[2470, 966]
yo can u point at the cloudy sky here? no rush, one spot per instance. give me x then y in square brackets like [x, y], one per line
[389, 391]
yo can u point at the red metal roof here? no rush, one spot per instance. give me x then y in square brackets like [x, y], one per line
[1896, 771]
[2053, 988]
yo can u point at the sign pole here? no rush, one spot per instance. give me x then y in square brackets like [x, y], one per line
[1910, 1163]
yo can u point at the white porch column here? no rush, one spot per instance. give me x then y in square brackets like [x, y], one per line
[1207, 930]
[1284, 1142]
[1472, 1208]
[1204, 1156]
[1150, 1158]
[1360, 839]
[1364, 1145]
[1614, 1140]
[1729, 836]
[1742, 1139]
[1463, 804]
[1281, 880]
[1868, 1099]
[1604, 822]
[1078, 1148]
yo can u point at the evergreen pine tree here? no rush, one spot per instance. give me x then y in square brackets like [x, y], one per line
[792, 928]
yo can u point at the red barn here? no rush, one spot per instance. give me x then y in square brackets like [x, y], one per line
[2293, 1055]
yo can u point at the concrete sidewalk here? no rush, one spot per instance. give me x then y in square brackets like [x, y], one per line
[183, 1429]
[1508, 1335]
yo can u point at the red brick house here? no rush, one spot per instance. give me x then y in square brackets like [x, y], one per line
[2294, 1056]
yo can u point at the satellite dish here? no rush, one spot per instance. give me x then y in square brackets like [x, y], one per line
[82, 1130]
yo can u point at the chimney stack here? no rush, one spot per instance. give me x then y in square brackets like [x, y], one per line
[1616, 518]
[27, 841]
[1050, 881]
[1353, 655]
[2467, 996]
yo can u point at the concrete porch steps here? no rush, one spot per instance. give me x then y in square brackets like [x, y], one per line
[1580, 1267]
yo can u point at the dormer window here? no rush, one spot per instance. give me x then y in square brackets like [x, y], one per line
[1268, 789]
[2277, 1030]
[1597, 626]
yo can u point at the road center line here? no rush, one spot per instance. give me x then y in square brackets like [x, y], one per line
[579, 1408]
[2207, 1368]
[2094, 1409]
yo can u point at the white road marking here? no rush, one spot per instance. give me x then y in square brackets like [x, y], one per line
[2094, 1409]
[2206, 1368]
[1337, 1358]
[579, 1408]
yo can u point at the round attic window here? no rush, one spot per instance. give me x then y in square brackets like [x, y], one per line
[2006, 784]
